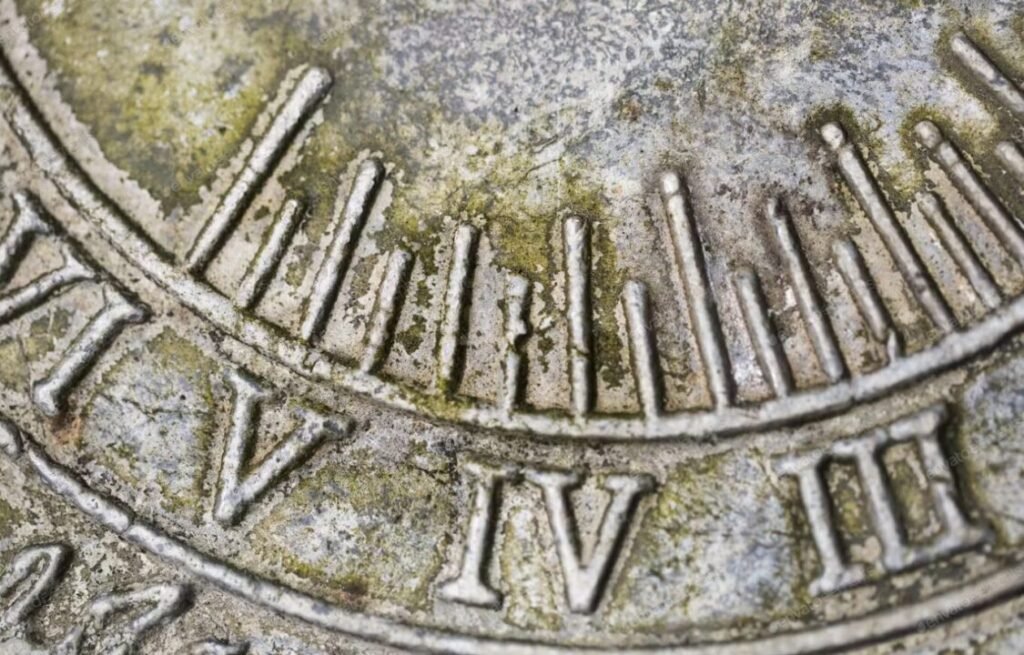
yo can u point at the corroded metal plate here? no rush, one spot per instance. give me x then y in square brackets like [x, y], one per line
[518, 328]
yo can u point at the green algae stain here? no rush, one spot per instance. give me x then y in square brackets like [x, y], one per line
[608, 282]
[627, 107]
[187, 83]
[732, 61]
[187, 88]
[531, 601]
[361, 275]
[44, 334]
[183, 85]
[412, 338]
[899, 183]
[850, 506]
[822, 46]
[13, 368]
[912, 493]
[374, 531]
[707, 516]
[9, 519]
[524, 203]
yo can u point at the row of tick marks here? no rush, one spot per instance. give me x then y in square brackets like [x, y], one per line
[350, 216]
[694, 277]
[352, 210]
[848, 259]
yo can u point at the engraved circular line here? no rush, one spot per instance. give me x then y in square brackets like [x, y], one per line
[298, 605]
[83, 194]
[77, 190]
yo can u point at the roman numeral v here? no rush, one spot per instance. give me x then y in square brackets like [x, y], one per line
[239, 490]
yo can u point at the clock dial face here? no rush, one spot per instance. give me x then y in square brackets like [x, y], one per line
[528, 327]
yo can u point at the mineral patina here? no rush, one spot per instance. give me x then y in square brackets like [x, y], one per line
[509, 328]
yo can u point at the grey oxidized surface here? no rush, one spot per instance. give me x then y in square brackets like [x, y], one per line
[541, 327]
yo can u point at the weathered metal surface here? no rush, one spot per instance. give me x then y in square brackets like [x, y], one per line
[528, 327]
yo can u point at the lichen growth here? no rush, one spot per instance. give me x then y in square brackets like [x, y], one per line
[180, 120]
[898, 183]
[628, 107]
[822, 47]
[732, 57]
[853, 525]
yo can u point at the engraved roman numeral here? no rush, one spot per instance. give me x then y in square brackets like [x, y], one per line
[469, 587]
[50, 393]
[18, 301]
[238, 490]
[865, 452]
[585, 581]
[116, 623]
[112, 624]
[30, 579]
[28, 223]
